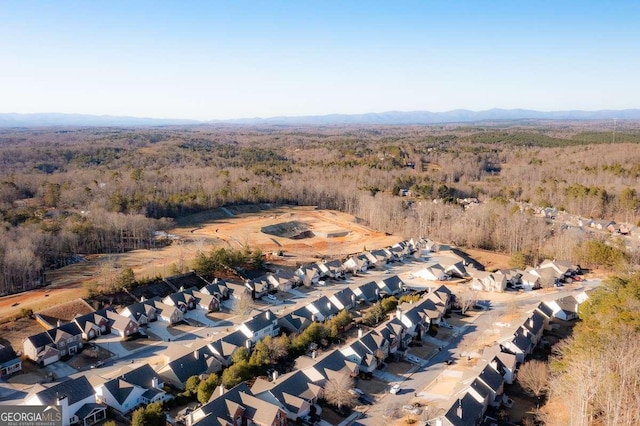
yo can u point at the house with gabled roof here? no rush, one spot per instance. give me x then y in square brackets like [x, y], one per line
[343, 299]
[368, 292]
[67, 338]
[395, 332]
[295, 323]
[433, 272]
[323, 308]
[308, 275]
[9, 362]
[121, 326]
[141, 312]
[565, 308]
[535, 326]
[562, 268]
[167, 313]
[454, 267]
[293, 392]
[331, 269]
[283, 279]
[368, 351]
[237, 406]
[380, 256]
[391, 285]
[520, 346]
[400, 250]
[530, 281]
[93, 325]
[414, 319]
[355, 264]
[445, 295]
[216, 288]
[227, 345]
[430, 246]
[548, 276]
[258, 287]
[204, 301]
[41, 349]
[196, 362]
[466, 411]
[75, 397]
[332, 365]
[182, 300]
[260, 325]
[130, 388]
[480, 391]
[506, 364]
[546, 312]
[489, 281]
[359, 354]
[433, 310]
[494, 381]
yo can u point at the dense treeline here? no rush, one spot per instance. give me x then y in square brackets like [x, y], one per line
[78, 191]
[596, 373]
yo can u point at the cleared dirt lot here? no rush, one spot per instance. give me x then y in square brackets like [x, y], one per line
[333, 234]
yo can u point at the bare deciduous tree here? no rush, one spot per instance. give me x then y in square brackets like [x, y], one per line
[533, 376]
[242, 305]
[338, 391]
[467, 298]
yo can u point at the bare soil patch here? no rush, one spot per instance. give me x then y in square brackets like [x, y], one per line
[231, 227]
[16, 331]
[491, 261]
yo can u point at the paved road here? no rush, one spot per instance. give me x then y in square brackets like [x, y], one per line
[430, 372]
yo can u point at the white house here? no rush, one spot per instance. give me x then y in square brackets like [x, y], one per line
[75, 398]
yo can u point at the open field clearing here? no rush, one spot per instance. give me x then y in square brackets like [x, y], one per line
[330, 234]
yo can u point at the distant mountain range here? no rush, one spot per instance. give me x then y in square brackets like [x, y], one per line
[84, 120]
[391, 117]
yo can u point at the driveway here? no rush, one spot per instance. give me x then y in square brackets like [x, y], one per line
[200, 316]
[159, 328]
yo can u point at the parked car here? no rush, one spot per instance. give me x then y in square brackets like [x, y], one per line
[271, 297]
[97, 364]
[394, 389]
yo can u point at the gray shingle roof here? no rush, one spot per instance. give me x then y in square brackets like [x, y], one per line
[74, 389]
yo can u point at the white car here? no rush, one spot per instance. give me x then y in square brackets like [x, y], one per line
[395, 389]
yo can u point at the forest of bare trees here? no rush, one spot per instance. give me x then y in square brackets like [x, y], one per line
[596, 372]
[75, 191]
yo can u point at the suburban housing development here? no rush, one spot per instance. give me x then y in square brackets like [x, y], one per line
[430, 284]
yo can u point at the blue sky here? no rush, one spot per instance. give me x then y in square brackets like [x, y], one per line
[232, 59]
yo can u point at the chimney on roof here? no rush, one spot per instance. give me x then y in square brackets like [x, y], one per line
[359, 333]
[399, 313]
[313, 354]
[459, 409]
[154, 383]
[531, 322]
[248, 344]
[143, 299]
[275, 375]
[222, 389]
[196, 354]
[268, 314]
[58, 323]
